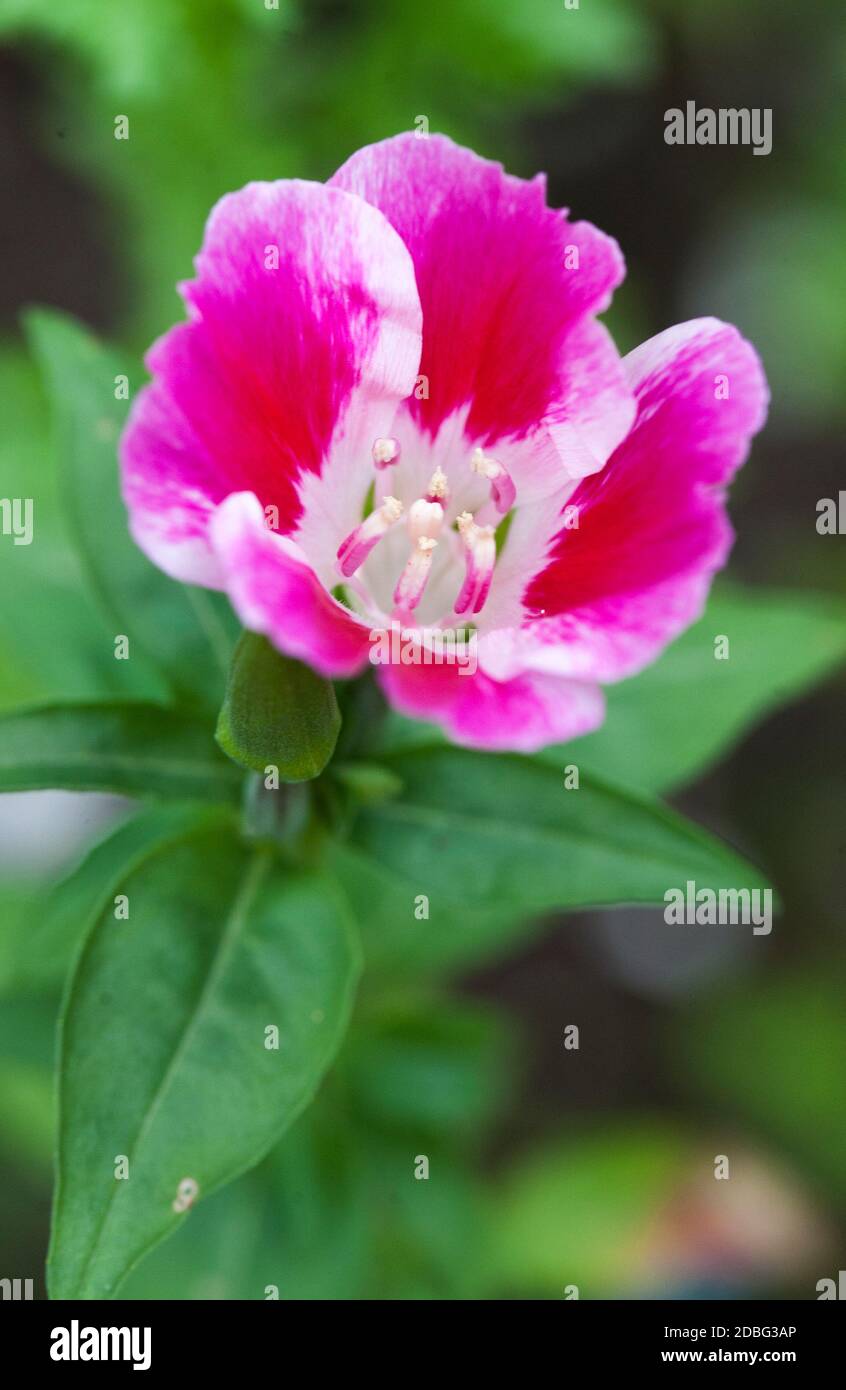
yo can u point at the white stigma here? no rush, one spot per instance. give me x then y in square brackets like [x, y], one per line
[425, 520]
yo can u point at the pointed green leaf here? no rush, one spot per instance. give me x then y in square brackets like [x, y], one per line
[298, 1222]
[277, 712]
[166, 1049]
[400, 936]
[505, 832]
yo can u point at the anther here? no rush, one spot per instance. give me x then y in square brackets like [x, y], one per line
[385, 452]
[353, 551]
[503, 491]
[438, 489]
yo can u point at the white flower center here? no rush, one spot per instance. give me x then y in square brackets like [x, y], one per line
[468, 538]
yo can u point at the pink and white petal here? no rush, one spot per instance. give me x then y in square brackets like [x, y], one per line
[652, 529]
[502, 278]
[533, 530]
[332, 501]
[520, 715]
[595, 407]
[304, 314]
[592, 414]
[274, 591]
[607, 642]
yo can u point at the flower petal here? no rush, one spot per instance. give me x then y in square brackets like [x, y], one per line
[274, 591]
[519, 715]
[502, 278]
[594, 407]
[652, 528]
[304, 313]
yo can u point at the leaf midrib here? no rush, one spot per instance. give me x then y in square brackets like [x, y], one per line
[411, 811]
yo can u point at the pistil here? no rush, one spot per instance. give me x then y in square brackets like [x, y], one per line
[412, 581]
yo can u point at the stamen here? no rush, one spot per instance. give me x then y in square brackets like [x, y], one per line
[503, 491]
[480, 558]
[385, 452]
[412, 581]
[353, 551]
[438, 488]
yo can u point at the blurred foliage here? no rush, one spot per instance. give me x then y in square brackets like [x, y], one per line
[573, 1213]
[775, 1054]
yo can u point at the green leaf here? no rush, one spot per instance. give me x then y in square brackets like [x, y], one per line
[333, 1212]
[397, 939]
[277, 712]
[298, 1224]
[577, 1211]
[424, 1066]
[667, 725]
[185, 632]
[504, 832]
[162, 1048]
[56, 924]
[136, 749]
[53, 645]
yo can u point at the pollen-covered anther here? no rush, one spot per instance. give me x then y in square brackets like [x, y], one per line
[480, 557]
[385, 452]
[412, 581]
[503, 491]
[353, 551]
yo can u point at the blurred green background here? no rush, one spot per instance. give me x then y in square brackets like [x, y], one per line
[555, 1167]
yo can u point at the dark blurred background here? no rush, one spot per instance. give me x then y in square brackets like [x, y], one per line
[693, 1044]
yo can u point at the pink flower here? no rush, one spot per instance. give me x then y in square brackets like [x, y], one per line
[392, 402]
